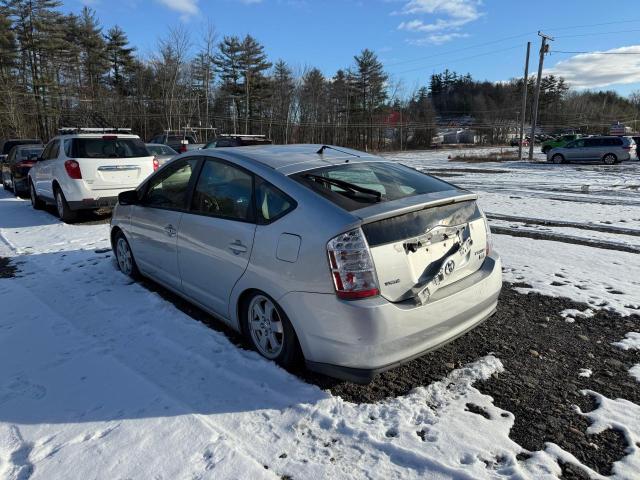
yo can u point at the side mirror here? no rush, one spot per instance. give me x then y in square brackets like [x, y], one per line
[130, 197]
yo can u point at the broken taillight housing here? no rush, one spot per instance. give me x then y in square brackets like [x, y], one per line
[352, 269]
[489, 239]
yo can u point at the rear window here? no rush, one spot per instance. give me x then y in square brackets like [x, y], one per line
[358, 185]
[179, 138]
[108, 148]
[612, 142]
[28, 153]
[161, 150]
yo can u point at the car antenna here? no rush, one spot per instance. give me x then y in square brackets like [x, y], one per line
[324, 147]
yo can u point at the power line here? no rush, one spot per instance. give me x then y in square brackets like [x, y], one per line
[596, 53]
[598, 33]
[493, 52]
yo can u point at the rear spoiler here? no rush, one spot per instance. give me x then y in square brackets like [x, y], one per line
[381, 211]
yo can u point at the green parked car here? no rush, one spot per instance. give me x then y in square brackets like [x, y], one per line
[560, 141]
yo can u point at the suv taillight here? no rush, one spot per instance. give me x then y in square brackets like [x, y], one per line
[73, 169]
[351, 265]
[156, 164]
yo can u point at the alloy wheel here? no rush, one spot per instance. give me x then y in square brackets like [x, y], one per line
[59, 204]
[124, 257]
[265, 327]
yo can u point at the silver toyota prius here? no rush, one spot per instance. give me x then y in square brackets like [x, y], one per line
[346, 261]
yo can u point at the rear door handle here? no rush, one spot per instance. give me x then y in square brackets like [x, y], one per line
[171, 230]
[237, 247]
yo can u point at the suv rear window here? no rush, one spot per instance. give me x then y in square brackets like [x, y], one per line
[108, 148]
[358, 185]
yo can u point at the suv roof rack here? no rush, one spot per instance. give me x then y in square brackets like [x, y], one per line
[238, 135]
[68, 130]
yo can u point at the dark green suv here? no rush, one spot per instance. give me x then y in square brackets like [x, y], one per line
[560, 141]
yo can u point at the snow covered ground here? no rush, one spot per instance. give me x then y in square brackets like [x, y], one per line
[101, 378]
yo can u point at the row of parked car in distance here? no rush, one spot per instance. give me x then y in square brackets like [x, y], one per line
[606, 149]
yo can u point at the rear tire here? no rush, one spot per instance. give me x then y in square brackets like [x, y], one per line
[557, 159]
[124, 257]
[36, 203]
[610, 159]
[64, 212]
[269, 331]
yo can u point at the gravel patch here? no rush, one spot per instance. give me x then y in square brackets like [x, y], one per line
[542, 355]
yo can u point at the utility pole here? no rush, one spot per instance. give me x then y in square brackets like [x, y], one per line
[524, 101]
[544, 48]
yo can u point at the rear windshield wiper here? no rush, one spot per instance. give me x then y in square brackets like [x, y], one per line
[345, 185]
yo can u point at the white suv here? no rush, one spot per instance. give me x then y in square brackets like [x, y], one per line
[81, 171]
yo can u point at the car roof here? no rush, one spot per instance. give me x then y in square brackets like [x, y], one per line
[290, 159]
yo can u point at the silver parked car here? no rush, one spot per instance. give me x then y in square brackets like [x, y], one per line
[607, 149]
[163, 153]
[344, 260]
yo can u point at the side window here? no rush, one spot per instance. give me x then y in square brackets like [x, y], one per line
[169, 188]
[55, 147]
[591, 142]
[271, 203]
[67, 147]
[223, 191]
[578, 143]
[46, 151]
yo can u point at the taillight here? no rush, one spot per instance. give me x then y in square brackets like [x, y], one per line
[182, 148]
[351, 265]
[156, 164]
[25, 164]
[73, 169]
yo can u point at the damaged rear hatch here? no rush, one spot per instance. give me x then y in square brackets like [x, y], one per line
[422, 233]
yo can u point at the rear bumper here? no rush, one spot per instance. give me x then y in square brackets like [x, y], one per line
[358, 339]
[93, 203]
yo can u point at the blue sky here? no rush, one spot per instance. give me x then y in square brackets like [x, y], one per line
[414, 38]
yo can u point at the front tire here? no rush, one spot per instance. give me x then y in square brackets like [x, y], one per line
[36, 203]
[64, 212]
[610, 159]
[124, 257]
[557, 159]
[269, 330]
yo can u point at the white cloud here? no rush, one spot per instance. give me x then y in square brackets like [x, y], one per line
[451, 16]
[185, 7]
[591, 70]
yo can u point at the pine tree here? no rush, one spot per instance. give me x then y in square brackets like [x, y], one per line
[120, 58]
[253, 62]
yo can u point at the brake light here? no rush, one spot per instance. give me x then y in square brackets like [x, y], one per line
[182, 148]
[73, 169]
[352, 267]
[109, 137]
[156, 164]
[25, 164]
